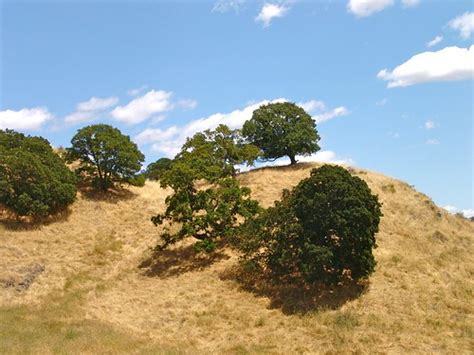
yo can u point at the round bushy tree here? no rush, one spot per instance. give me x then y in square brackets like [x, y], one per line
[105, 154]
[155, 170]
[34, 181]
[320, 231]
[282, 129]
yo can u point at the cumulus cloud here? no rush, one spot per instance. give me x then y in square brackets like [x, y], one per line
[329, 115]
[227, 5]
[464, 24]
[24, 119]
[364, 8]
[434, 41]
[270, 11]
[448, 64]
[410, 3]
[143, 107]
[169, 141]
[90, 109]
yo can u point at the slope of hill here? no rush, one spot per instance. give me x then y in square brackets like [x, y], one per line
[89, 282]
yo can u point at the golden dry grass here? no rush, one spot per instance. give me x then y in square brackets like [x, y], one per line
[103, 290]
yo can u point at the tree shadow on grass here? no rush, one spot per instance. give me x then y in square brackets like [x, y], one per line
[113, 195]
[293, 297]
[16, 223]
[173, 262]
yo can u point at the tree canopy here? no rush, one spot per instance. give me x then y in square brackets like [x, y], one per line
[155, 170]
[212, 209]
[322, 230]
[282, 129]
[105, 154]
[34, 181]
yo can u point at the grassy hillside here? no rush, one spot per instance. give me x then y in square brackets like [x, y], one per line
[88, 282]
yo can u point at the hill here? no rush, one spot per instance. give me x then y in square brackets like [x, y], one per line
[88, 282]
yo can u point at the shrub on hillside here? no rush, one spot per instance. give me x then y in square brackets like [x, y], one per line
[34, 180]
[105, 155]
[323, 230]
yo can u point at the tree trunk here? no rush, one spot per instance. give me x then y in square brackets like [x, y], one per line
[292, 159]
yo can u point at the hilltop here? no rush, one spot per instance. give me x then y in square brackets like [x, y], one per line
[89, 282]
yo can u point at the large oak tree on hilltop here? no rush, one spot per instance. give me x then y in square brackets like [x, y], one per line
[282, 129]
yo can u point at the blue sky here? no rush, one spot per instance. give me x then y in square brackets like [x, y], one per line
[384, 97]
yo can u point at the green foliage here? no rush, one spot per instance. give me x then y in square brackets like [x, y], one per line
[156, 169]
[214, 210]
[34, 181]
[320, 231]
[105, 155]
[282, 129]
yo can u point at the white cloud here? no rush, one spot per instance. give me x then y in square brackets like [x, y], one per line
[410, 3]
[469, 213]
[96, 103]
[227, 5]
[432, 142]
[329, 115]
[312, 105]
[270, 11]
[135, 92]
[363, 8]
[395, 135]
[430, 125]
[448, 64]
[90, 109]
[187, 104]
[24, 119]
[434, 41]
[169, 141]
[143, 107]
[464, 24]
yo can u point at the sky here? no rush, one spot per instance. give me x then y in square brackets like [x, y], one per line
[389, 82]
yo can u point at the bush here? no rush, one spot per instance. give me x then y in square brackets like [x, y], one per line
[34, 181]
[323, 230]
[138, 180]
[105, 155]
[215, 210]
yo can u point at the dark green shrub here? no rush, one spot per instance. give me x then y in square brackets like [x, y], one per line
[138, 180]
[213, 211]
[282, 129]
[323, 230]
[105, 155]
[156, 169]
[34, 181]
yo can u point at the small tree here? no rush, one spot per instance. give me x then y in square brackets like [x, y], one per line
[105, 154]
[156, 169]
[322, 230]
[34, 181]
[212, 211]
[282, 129]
